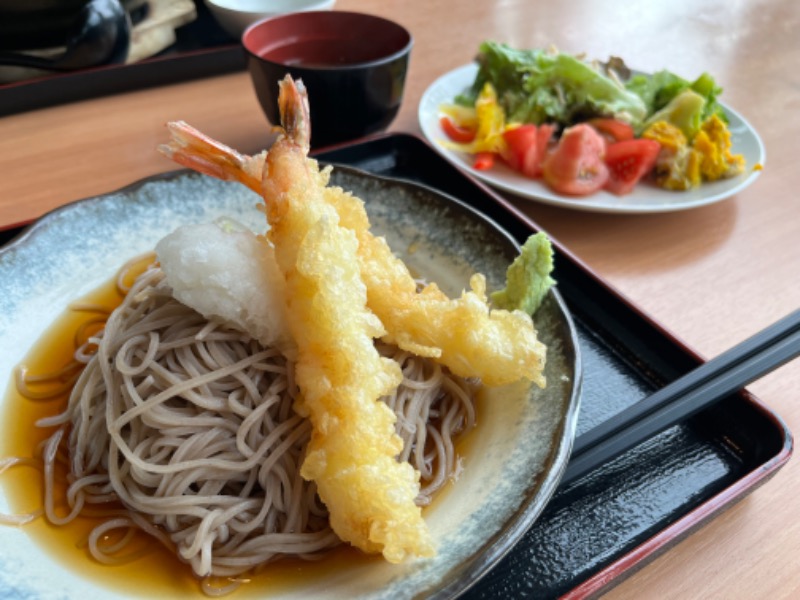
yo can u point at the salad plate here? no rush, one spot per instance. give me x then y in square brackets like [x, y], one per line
[512, 464]
[645, 198]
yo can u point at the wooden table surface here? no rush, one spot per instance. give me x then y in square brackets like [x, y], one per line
[713, 275]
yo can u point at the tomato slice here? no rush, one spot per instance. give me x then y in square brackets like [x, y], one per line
[546, 132]
[527, 146]
[628, 162]
[576, 166]
[462, 135]
[483, 161]
[522, 153]
[613, 130]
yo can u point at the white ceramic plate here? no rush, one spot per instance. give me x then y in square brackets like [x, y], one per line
[514, 461]
[645, 198]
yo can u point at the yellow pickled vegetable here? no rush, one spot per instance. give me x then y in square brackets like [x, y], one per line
[463, 116]
[489, 123]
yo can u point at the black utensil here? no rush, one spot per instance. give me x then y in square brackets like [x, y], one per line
[102, 36]
[709, 383]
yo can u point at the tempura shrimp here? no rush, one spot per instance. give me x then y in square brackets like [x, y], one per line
[497, 346]
[352, 455]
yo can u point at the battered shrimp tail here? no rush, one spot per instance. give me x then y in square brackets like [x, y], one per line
[295, 111]
[194, 149]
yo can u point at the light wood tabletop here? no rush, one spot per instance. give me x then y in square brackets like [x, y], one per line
[713, 275]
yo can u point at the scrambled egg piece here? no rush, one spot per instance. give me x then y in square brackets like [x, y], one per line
[678, 165]
[713, 143]
[682, 165]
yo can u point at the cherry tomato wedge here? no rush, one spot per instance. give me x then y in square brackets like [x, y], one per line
[628, 162]
[576, 166]
[483, 161]
[458, 134]
[613, 130]
[522, 152]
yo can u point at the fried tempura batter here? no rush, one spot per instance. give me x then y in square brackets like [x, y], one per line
[463, 334]
[353, 448]
[497, 346]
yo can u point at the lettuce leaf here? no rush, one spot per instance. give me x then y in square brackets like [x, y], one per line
[536, 86]
[662, 87]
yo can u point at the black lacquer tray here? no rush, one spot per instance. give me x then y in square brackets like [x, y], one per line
[612, 521]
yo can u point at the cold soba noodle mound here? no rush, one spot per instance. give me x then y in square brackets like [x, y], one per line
[189, 422]
[196, 436]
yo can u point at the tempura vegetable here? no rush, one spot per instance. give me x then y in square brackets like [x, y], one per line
[528, 277]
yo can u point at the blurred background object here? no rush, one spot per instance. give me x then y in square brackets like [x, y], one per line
[48, 35]
[41, 37]
[156, 30]
[234, 16]
[169, 41]
[35, 24]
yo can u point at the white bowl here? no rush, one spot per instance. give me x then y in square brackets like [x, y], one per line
[234, 16]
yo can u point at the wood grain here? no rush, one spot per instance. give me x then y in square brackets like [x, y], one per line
[713, 275]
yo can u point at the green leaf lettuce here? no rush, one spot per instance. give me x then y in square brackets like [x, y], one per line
[536, 86]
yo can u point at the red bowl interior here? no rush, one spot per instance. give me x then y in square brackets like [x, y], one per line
[326, 39]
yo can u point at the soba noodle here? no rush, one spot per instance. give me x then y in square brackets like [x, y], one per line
[189, 423]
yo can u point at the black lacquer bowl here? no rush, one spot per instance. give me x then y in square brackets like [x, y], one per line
[354, 66]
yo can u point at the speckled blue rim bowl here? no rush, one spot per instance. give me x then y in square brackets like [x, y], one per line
[514, 459]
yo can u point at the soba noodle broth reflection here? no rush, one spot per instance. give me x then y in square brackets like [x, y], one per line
[189, 423]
